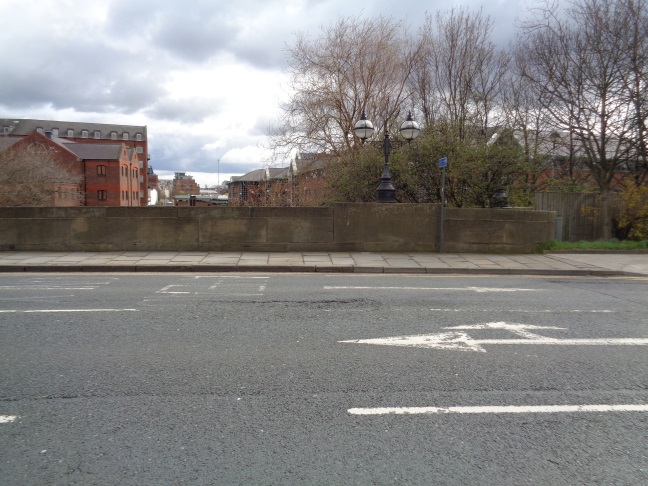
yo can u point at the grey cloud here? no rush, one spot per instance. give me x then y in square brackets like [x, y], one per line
[194, 37]
[88, 76]
[183, 111]
[205, 29]
[261, 126]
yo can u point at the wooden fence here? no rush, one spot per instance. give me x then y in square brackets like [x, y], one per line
[578, 215]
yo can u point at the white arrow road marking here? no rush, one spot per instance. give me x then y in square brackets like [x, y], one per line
[461, 341]
[473, 289]
[13, 311]
[518, 329]
[445, 340]
[4, 419]
[499, 409]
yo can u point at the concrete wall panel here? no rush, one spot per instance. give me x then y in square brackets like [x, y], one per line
[343, 227]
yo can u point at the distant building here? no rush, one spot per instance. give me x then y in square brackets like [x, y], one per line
[184, 184]
[302, 183]
[133, 137]
[261, 187]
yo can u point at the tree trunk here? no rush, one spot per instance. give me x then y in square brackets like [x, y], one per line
[606, 215]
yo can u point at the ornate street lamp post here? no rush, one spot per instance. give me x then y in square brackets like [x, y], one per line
[364, 129]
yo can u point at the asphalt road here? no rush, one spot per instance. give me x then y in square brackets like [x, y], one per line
[287, 379]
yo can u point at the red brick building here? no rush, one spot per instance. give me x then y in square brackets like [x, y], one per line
[107, 174]
[65, 187]
[133, 137]
[112, 174]
[184, 184]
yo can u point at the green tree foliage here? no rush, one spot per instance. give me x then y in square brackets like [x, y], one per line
[477, 169]
[632, 213]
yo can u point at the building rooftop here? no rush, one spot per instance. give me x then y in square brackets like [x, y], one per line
[17, 126]
[93, 151]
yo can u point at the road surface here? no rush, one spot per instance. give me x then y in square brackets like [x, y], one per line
[322, 379]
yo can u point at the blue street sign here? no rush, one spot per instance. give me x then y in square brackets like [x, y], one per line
[443, 162]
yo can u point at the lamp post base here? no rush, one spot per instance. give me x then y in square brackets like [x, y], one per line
[386, 192]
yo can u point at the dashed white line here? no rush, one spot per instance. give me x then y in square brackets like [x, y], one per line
[528, 311]
[473, 289]
[18, 311]
[5, 419]
[42, 287]
[498, 409]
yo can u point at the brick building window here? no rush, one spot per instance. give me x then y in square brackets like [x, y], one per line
[113, 135]
[97, 134]
[84, 133]
[70, 133]
[244, 191]
[139, 150]
[102, 195]
[101, 170]
[125, 135]
[138, 137]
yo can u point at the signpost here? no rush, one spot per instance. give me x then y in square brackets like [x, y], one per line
[442, 163]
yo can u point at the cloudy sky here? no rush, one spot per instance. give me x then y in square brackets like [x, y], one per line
[205, 76]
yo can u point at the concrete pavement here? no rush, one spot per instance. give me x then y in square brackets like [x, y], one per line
[565, 264]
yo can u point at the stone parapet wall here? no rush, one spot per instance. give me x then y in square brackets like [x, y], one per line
[341, 227]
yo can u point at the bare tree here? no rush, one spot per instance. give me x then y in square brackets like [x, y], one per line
[633, 20]
[575, 62]
[30, 176]
[459, 78]
[353, 65]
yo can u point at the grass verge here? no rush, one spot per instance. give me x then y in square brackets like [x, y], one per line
[593, 245]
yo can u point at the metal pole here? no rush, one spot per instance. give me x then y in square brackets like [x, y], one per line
[442, 206]
[442, 163]
[386, 193]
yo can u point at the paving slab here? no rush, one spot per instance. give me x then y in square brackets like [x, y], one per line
[334, 262]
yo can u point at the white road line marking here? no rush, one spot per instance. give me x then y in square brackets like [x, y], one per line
[526, 311]
[229, 276]
[4, 419]
[517, 329]
[499, 409]
[17, 311]
[36, 287]
[461, 341]
[165, 290]
[473, 289]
